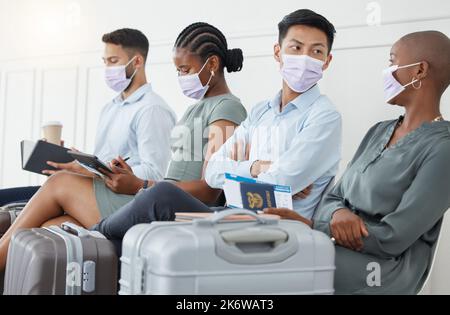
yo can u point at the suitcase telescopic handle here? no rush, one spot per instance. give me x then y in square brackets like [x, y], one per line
[74, 229]
[217, 217]
[80, 231]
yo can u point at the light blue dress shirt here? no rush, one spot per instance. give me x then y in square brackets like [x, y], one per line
[303, 142]
[139, 128]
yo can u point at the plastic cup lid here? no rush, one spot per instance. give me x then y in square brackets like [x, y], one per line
[53, 123]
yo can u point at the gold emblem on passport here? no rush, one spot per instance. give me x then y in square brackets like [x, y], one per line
[255, 200]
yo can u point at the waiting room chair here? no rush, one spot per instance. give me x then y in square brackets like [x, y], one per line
[434, 250]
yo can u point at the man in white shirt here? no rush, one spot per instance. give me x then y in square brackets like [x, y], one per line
[136, 124]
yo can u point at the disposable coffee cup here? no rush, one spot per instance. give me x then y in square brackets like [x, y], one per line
[52, 132]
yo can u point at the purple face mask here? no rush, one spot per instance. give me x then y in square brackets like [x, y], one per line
[392, 87]
[191, 85]
[301, 72]
[116, 77]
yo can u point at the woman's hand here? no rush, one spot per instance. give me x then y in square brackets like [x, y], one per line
[288, 214]
[72, 167]
[122, 181]
[120, 162]
[348, 229]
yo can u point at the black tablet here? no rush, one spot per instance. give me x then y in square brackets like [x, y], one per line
[91, 161]
[36, 154]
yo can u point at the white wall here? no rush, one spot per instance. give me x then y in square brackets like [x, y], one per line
[51, 69]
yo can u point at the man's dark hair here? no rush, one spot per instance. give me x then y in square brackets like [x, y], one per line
[129, 39]
[308, 18]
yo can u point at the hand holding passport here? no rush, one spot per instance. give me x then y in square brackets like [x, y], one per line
[254, 195]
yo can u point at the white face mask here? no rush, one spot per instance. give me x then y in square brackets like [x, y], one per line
[301, 72]
[392, 87]
[192, 86]
[116, 77]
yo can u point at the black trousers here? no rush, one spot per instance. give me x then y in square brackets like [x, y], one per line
[19, 194]
[159, 203]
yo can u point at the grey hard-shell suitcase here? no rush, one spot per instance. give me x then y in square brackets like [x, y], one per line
[61, 261]
[8, 215]
[212, 257]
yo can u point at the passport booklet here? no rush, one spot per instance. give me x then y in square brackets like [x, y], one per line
[254, 195]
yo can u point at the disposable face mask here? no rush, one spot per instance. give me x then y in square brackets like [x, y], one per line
[301, 72]
[192, 86]
[116, 77]
[392, 87]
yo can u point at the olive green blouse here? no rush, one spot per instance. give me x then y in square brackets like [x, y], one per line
[401, 193]
[189, 138]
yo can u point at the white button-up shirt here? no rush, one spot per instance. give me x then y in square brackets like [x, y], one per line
[139, 128]
[303, 142]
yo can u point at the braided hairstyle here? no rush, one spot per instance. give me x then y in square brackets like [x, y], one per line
[206, 40]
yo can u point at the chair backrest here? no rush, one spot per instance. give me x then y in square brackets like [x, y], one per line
[434, 251]
[2, 281]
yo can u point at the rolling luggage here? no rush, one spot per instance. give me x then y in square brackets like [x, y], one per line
[61, 261]
[214, 257]
[8, 215]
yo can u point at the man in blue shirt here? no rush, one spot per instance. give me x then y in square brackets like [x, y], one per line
[136, 124]
[293, 139]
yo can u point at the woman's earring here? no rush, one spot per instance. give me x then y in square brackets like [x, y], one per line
[212, 72]
[416, 87]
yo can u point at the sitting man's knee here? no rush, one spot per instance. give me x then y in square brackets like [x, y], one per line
[164, 187]
[165, 192]
[157, 199]
[159, 190]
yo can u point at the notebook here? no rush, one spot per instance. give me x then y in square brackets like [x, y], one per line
[36, 154]
[91, 163]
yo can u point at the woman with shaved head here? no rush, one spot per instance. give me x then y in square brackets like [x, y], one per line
[385, 213]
